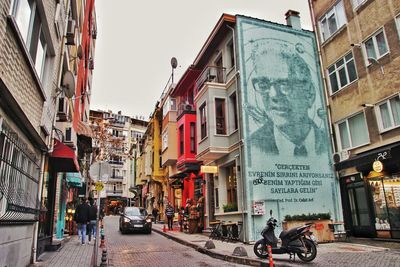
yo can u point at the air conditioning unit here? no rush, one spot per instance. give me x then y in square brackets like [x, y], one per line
[71, 29]
[341, 156]
[91, 64]
[188, 107]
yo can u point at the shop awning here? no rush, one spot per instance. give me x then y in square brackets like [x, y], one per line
[180, 175]
[63, 158]
[74, 179]
[84, 129]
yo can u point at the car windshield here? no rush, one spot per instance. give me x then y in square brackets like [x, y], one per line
[135, 212]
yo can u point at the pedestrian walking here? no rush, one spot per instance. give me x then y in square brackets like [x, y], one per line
[82, 218]
[169, 212]
[155, 213]
[92, 220]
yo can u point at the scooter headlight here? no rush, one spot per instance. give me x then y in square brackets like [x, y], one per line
[126, 220]
[148, 220]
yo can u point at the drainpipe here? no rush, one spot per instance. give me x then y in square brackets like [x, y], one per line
[243, 185]
[323, 74]
[338, 206]
[36, 225]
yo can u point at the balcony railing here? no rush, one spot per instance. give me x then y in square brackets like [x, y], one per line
[212, 74]
[117, 191]
[117, 162]
[117, 177]
[185, 108]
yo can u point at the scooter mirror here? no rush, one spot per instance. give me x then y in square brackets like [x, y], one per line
[270, 212]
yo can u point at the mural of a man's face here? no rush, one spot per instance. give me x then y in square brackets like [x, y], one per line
[283, 80]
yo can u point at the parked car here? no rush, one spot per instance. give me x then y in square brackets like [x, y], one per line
[135, 219]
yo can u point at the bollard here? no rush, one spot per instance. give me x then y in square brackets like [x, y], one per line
[103, 258]
[164, 228]
[271, 263]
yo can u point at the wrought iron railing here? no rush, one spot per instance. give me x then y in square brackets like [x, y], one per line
[19, 179]
[212, 74]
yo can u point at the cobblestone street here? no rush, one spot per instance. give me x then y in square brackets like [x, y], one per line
[137, 249]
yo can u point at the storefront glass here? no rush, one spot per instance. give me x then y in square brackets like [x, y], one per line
[386, 197]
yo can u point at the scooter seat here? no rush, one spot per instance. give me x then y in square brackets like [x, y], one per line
[289, 232]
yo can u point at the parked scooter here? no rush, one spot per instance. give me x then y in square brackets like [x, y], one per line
[298, 240]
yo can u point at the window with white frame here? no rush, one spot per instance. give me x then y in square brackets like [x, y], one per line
[376, 46]
[164, 143]
[29, 24]
[357, 3]
[203, 121]
[333, 20]
[388, 113]
[352, 132]
[342, 73]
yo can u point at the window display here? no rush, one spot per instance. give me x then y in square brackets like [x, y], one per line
[386, 198]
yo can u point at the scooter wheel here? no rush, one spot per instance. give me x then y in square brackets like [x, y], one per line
[311, 251]
[260, 249]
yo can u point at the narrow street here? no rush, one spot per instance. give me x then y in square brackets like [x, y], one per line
[137, 249]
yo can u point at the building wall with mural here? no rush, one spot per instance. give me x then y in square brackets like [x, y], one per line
[287, 152]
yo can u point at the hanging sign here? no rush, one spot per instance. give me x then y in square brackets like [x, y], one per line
[377, 166]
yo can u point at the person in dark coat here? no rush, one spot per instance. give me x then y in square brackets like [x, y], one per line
[155, 213]
[170, 212]
[82, 218]
[92, 219]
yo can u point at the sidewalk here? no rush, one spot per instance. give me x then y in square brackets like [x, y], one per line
[71, 253]
[224, 250]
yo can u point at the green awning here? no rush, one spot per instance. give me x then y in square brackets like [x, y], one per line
[74, 179]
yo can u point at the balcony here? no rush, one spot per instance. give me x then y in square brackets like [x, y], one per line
[117, 192]
[115, 179]
[116, 162]
[211, 74]
[185, 109]
[118, 124]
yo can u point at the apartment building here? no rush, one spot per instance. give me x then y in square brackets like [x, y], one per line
[35, 59]
[115, 136]
[360, 48]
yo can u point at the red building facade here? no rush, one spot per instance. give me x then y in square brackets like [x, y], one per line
[188, 167]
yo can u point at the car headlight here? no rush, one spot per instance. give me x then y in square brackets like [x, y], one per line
[126, 220]
[148, 220]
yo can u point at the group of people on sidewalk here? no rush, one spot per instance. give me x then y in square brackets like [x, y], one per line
[86, 219]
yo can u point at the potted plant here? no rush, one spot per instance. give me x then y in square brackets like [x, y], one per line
[230, 207]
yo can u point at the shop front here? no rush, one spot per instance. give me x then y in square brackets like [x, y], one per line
[371, 196]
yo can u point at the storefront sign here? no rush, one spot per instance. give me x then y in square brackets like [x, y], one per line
[377, 166]
[209, 169]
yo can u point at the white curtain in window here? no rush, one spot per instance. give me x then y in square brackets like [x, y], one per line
[395, 105]
[358, 130]
[344, 136]
[23, 17]
[385, 115]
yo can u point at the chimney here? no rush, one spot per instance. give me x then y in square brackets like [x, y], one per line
[293, 19]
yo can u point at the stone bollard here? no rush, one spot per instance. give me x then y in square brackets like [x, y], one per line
[209, 244]
[240, 251]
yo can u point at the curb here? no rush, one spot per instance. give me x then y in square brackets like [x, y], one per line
[217, 255]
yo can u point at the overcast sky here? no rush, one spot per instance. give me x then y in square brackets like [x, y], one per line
[137, 39]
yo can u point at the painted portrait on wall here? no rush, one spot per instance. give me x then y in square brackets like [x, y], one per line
[287, 151]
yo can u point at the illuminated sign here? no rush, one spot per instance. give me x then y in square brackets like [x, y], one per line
[377, 166]
[209, 169]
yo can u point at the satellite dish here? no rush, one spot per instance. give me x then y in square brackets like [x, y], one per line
[68, 84]
[174, 62]
[100, 171]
